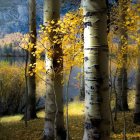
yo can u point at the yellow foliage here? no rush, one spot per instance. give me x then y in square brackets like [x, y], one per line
[67, 33]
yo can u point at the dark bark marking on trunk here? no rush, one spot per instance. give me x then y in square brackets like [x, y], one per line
[86, 24]
[89, 14]
[93, 125]
[97, 67]
[86, 58]
[98, 47]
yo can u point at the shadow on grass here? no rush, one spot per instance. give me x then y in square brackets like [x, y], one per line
[14, 129]
[34, 131]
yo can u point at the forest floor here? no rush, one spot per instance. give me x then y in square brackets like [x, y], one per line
[12, 128]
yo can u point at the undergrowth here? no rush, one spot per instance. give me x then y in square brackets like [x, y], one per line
[12, 128]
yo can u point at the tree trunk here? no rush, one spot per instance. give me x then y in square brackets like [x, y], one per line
[122, 102]
[137, 98]
[82, 85]
[54, 120]
[97, 114]
[136, 118]
[31, 107]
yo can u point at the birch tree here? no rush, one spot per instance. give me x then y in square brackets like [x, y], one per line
[54, 120]
[31, 106]
[97, 115]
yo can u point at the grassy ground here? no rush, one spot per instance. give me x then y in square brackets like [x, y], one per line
[11, 128]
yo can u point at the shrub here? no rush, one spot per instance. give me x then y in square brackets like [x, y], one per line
[12, 88]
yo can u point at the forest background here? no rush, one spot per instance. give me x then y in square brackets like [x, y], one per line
[12, 100]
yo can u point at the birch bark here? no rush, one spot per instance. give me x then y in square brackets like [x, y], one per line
[54, 120]
[97, 114]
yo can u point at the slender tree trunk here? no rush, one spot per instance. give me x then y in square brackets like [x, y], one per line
[82, 82]
[82, 85]
[31, 109]
[97, 112]
[122, 102]
[54, 120]
[137, 98]
[136, 119]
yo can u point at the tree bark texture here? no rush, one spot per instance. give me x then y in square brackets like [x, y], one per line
[97, 114]
[31, 109]
[82, 84]
[54, 120]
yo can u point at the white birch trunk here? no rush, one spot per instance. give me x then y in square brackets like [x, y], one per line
[54, 120]
[97, 114]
